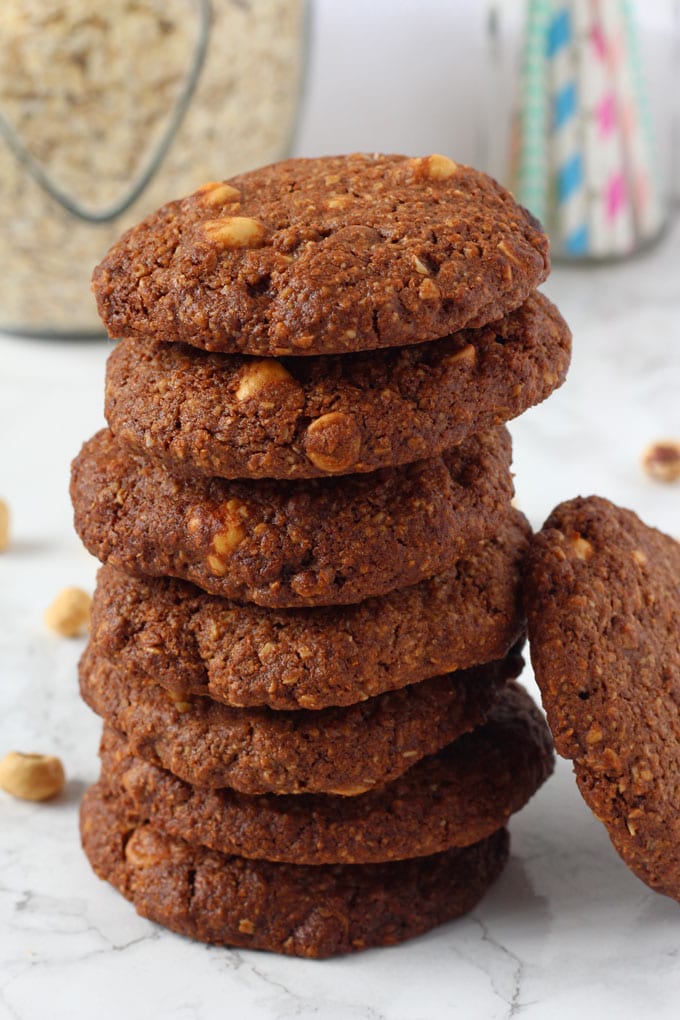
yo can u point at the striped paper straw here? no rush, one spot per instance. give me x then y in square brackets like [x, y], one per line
[530, 142]
[569, 221]
[584, 161]
[642, 162]
[610, 212]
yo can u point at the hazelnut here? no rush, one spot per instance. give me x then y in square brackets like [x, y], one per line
[581, 547]
[225, 541]
[465, 356]
[4, 525]
[214, 193]
[661, 460]
[235, 232]
[69, 614]
[339, 201]
[351, 791]
[594, 734]
[31, 776]
[141, 850]
[508, 252]
[428, 291]
[260, 373]
[436, 167]
[180, 701]
[333, 442]
[227, 538]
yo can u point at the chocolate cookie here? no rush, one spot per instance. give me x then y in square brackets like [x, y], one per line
[603, 594]
[327, 255]
[285, 908]
[239, 417]
[453, 798]
[313, 542]
[335, 750]
[193, 643]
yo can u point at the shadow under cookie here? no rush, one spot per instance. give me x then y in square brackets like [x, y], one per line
[456, 797]
[285, 908]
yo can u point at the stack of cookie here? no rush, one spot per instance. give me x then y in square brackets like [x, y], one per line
[306, 630]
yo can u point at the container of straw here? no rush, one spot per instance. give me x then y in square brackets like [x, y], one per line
[583, 156]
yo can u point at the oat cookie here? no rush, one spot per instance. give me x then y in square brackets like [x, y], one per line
[284, 908]
[240, 417]
[244, 655]
[328, 255]
[603, 596]
[335, 750]
[453, 798]
[314, 542]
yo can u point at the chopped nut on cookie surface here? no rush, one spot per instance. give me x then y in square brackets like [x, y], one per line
[337, 246]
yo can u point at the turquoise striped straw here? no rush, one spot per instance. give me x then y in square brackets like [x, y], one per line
[531, 176]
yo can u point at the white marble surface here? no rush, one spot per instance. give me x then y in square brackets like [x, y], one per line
[567, 931]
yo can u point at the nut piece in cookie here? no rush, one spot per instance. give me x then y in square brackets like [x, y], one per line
[333, 442]
[323, 256]
[603, 604]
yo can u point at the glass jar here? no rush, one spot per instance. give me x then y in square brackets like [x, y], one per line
[108, 109]
[588, 161]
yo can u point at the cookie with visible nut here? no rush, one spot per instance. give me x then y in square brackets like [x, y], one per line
[328, 255]
[294, 909]
[244, 655]
[345, 751]
[603, 601]
[454, 798]
[299, 543]
[240, 417]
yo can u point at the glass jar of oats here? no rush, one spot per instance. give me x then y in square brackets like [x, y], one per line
[108, 109]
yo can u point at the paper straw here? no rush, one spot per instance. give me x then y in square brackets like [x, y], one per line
[531, 178]
[584, 160]
[643, 166]
[569, 223]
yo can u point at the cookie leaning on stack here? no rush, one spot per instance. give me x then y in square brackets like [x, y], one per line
[304, 635]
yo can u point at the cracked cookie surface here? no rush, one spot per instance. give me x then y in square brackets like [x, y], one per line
[345, 751]
[456, 797]
[603, 600]
[245, 655]
[241, 417]
[328, 255]
[297, 910]
[314, 542]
